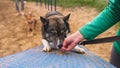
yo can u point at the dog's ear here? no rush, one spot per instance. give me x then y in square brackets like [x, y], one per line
[44, 20]
[66, 18]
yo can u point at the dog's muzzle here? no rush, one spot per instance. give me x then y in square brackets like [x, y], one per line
[60, 46]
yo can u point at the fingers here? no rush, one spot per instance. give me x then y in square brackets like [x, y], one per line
[64, 45]
[71, 41]
[68, 45]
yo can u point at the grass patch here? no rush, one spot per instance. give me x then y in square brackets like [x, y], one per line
[99, 4]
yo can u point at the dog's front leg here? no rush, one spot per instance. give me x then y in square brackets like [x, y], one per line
[46, 47]
[28, 33]
[79, 49]
[33, 30]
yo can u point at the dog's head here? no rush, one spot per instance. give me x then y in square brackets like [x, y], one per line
[30, 18]
[55, 28]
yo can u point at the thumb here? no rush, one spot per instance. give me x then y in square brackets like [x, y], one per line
[64, 46]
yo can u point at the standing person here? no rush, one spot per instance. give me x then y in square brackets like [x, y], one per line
[106, 19]
[20, 11]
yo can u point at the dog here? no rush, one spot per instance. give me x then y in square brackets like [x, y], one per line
[55, 28]
[31, 24]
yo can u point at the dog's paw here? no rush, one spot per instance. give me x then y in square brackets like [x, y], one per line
[46, 49]
[79, 50]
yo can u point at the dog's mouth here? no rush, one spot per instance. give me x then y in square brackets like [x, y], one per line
[57, 44]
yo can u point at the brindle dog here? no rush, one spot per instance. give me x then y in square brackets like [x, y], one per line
[31, 24]
[55, 28]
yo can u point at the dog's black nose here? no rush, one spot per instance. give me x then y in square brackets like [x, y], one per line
[60, 45]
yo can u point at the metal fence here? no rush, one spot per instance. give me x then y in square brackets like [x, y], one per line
[50, 4]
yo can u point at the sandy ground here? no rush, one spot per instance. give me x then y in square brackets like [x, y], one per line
[13, 36]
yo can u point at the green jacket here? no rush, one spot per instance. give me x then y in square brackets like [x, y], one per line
[106, 19]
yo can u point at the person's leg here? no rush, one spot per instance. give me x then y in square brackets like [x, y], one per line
[22, 7]
[115, 58]
[17, 5]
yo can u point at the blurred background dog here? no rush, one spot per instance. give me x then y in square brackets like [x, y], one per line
[31, 24]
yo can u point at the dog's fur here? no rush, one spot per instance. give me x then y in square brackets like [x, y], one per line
[55, 28]
[31, 24]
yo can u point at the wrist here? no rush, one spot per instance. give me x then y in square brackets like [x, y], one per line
[79, 36]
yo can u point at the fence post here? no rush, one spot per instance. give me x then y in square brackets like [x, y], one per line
[40, 2]
[36, 2]
[45, 3]
[48, 4]
[51, 4]
[55, 5]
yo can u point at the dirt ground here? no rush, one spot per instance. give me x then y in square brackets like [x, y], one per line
[13, 36]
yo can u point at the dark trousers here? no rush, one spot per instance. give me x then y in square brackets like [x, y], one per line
[17, 5]
[115, 58]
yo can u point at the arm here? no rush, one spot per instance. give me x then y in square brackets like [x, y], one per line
[107, 18]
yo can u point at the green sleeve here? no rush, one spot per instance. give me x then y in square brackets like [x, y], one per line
[107, 18]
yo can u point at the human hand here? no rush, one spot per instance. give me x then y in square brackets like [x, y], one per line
[71, 41]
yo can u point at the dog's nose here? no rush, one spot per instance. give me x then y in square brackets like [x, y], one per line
[60, 45]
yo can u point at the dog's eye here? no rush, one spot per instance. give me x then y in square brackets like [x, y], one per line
[54, 32]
